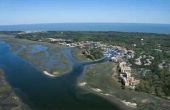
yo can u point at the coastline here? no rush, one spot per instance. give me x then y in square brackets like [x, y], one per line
[112, 99]
[117, 27]
[99, 92]
[8, 98]
[115, 101]
[121, 95]
[48, 74]
[132, 99]
[35, 59]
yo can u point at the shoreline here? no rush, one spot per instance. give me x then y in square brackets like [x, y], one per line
[9, 95]
[99, 92]
[110, 98]
[97, 88]
[48, 74]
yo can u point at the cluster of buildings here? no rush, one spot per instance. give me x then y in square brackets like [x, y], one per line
[59, 40]
[70, 43]
[113, 53]
[118, 54]
[144, 60]
[126, 77]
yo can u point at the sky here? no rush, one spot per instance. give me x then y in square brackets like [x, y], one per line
[84, 11]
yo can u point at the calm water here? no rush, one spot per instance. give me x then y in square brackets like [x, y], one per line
[44, 93]
[123, 27]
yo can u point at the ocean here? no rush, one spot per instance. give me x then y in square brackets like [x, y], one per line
[121, 27]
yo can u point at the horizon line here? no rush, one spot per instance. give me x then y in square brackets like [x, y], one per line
[84, 23]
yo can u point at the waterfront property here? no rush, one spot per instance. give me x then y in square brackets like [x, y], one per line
[102, 79]
[44, 93]
[126, 77]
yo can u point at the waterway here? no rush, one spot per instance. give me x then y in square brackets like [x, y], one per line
[41, 92]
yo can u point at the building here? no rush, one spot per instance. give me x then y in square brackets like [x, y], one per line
[125, 76]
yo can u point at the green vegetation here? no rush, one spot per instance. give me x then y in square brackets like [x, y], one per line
[117, 38]
[8, 99]
[103, 76]
[155, 80]
[100, 75]
[49, 59]
[78, 55]
[93, 53]
[158, 84]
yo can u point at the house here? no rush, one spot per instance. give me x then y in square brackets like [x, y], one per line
[125, 76]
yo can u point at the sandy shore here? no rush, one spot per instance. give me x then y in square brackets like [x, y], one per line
[48, 74]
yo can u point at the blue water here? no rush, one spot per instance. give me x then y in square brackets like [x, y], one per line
[122, 27]
[41, 92]
[38, 48]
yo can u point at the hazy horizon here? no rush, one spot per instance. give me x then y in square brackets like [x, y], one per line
[121, 27]
[84, 23]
